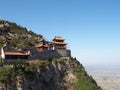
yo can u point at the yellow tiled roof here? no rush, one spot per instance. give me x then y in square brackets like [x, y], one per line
[40, 45]
[16, 53]
[59, 43]
[58, 38]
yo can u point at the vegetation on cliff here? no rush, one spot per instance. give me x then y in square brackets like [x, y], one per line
[55, 74]
[20, 36]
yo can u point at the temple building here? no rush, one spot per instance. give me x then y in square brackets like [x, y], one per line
[17, 55]
[42, 44]
[14, 55]
[58, 43]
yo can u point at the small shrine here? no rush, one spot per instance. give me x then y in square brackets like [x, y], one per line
[58, 43]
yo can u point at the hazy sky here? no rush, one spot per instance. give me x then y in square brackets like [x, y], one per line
[91, 27]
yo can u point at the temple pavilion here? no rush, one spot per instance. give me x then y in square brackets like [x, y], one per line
[17, 55]
[14, 55]
[58, 43]
[42, 44]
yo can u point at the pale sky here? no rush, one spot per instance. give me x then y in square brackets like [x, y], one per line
[91, 27]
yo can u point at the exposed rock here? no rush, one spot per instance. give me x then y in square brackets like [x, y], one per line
[58, 74]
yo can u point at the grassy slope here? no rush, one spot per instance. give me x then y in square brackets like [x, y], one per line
[21, 37]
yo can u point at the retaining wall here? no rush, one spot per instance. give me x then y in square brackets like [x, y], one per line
[51, 54]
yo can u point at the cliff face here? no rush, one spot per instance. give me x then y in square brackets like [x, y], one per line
[55, 74]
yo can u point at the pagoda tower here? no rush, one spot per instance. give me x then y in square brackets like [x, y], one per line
[42, 44]
[58, 43]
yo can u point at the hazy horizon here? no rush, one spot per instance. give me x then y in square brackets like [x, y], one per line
[107, 77]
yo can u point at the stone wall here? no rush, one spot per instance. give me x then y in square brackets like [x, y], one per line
[51, 54]
[8, 61]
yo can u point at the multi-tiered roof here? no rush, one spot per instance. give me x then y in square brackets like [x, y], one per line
[42, 44]
[58, 43]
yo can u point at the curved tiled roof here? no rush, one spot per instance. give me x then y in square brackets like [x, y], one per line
[60, 43]
[58, 38]
[16, 53]
[41, 45]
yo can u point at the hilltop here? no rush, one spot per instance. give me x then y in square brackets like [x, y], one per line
[20, 36]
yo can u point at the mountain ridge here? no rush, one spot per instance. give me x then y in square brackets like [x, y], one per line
[64, 73]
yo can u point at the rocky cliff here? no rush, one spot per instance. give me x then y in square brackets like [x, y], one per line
[53, 74]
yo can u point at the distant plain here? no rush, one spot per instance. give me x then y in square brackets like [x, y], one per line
[108, 77]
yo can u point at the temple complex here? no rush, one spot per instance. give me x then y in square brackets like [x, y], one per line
[58, 43]
[42, 44]
[42, 50]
